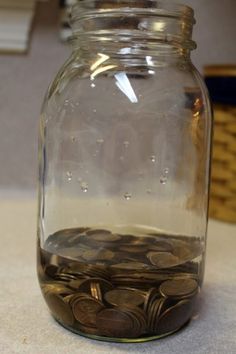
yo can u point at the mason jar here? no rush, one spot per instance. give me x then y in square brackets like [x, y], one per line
[124, 155]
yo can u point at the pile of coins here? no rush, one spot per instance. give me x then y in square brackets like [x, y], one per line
[120, 286]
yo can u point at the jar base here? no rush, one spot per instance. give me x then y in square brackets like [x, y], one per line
[121, 340]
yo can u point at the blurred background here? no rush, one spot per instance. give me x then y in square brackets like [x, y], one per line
[32, 49]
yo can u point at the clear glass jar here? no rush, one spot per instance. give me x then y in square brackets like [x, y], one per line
[125, 136]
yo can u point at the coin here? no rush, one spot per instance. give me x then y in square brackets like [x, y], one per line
[119, 297]
[104, 285]
[70, 252]
[65, 277]
[85, 309]
[74, 284]
[88, 270]
[51, 270]
[130, 265]
[133, 249]
[115, 323]
[55, 288]
[154, 313]
[150, 296]
[163, 259]
[174, 317]
[103, 236]
[60, 309]
[96, 290]
[161, 245]
[139, 319]
[179, 288]
[88, 330]
[98, 255]
[183, 253]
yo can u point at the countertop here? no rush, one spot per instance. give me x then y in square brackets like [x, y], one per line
[27, 327]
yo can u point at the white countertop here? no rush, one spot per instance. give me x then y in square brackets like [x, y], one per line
[27, 327]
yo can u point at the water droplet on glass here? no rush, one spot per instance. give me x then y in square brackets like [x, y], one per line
[84, 187]
[100, 141]
[79, 179]
[163, 180]
[69, 175]
[166, 171]
[93, 85]
[77, 104]
[128, 196]
[66, 103]
[74, 139]
[149, 191]
[126, 144]
[153, 158]
[94, 111]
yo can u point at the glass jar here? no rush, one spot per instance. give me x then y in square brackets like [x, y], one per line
[125, 136]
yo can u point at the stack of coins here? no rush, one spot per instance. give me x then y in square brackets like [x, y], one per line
[100, 283]
[223, 184]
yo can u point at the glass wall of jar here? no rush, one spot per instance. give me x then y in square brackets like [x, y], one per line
[124, 154]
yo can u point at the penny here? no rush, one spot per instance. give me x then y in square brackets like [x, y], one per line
[104, 285]
[115, 323]
[60, 309]
[70, 252]
[184, 253]
[138, 317]
[96, 290]
[161, 246]
[65, 277]
[121, 297]
[174, 317]
[98, 255]
[89, 330]
[74, 284]
[90, 270]
[163, 259]
[154, 313]
[150, 296]
[85, 310]
[130, 265]
[103, 236]
[51, 270]
[55, 288]
[179, 288]
[139, 280]
[133, 249]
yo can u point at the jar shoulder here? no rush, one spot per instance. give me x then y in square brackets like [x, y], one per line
[113, 82]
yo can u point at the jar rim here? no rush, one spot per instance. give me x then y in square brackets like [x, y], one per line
[159, 7]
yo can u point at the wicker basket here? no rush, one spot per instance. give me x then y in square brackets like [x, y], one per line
[223, 182]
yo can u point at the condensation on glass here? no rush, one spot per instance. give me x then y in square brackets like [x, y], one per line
[125, 135]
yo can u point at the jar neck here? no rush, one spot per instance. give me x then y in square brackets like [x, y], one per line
[133, 28]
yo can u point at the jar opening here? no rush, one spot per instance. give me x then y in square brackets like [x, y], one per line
[158, 7]
[120, 20]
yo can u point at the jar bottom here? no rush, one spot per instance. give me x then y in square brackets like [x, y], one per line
[120, 287]
[147, 338]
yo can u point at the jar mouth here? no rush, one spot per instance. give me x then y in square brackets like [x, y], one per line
[142, 21]
[165, 8]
